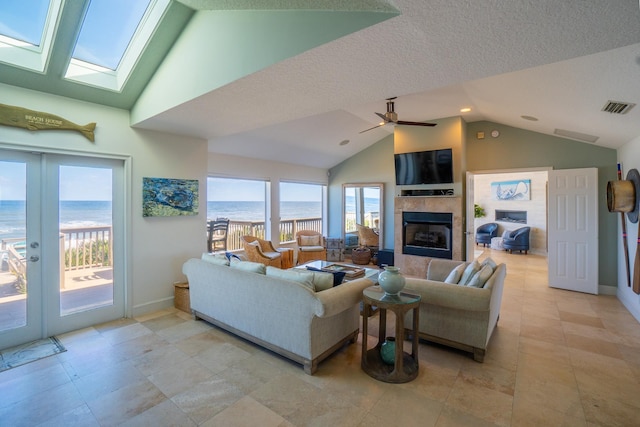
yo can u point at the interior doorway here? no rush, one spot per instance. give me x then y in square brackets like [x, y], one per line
[527, 206]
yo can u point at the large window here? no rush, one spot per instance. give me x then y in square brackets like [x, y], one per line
[243, 201]
[300, 208]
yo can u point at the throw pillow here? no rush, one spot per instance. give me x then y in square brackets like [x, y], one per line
[310, 240]
[455, 275]
[338, 276]
[480, 278]
[303, 277]
[469, 271]
[230, 255]
[490, 262]
[252, 267]
[215, 259]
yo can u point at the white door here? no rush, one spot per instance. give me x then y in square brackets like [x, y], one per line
[470, 230]
[61, 244]
[573, 229]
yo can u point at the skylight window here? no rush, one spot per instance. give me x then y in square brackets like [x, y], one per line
[23, 21]
[112, 38]
[107, 30]
[26, 32]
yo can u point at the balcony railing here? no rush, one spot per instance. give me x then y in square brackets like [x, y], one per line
[288, 229]
[89, 247]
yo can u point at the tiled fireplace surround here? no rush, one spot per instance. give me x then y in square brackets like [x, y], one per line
[412, 265]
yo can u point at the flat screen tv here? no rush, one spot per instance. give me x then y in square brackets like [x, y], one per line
[424, 167]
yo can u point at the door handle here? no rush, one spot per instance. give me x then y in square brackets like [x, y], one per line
[34, 258]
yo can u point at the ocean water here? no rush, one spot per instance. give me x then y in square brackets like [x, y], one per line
[94, 213]
[72, 214]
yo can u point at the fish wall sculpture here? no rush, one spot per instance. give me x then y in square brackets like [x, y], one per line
[36, 120]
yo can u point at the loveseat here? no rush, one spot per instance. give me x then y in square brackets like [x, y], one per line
[281, 310]
[458, 315]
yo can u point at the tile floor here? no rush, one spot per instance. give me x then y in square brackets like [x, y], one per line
[557, 358]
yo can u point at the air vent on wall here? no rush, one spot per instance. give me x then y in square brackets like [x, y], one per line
[615, 107]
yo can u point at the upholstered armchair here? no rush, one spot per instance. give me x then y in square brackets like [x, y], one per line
[516, 240]
[485, 233]
[311, 246]
[367, 236]
[262, 251]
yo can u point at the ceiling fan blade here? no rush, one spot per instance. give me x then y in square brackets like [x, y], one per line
[383, 117]
[402, 122]
[377, 126]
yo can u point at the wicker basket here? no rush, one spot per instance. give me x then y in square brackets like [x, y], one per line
[361, 255]
[181, 297]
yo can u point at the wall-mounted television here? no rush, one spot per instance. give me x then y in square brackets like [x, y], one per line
[424, 167]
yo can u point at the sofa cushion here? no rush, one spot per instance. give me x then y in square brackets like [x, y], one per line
[490, 262]
[469, 271]
[217, 259]
[480, 278]
[338, 276]
[310, 240]
[303, 277]
[253, 267]
[455, 275]
[311, 248]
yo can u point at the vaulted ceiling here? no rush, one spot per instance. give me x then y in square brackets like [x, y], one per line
[288, 81]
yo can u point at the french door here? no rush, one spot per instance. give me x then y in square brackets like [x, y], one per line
[61, 244]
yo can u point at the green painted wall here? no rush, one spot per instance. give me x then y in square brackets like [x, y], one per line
[513, 149]
[374, 164]
[517, 148]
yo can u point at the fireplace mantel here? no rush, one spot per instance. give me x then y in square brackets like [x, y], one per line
[413, 265]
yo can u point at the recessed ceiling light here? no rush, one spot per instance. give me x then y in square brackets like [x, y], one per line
[465, 110]
[530, 118]
[344, 142]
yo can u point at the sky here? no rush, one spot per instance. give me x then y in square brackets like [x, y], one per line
[76, 183]
[227, 189]
[106, 32]
[91, 183]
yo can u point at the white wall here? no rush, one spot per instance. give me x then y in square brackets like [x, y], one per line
[536, 208]
[629, 157]
[157, 247]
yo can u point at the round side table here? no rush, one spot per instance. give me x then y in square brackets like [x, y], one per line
[405, 366]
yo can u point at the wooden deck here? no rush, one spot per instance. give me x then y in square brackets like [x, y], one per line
[83, 290]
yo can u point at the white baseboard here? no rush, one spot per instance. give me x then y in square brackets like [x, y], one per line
[152, 306]
[634, 309]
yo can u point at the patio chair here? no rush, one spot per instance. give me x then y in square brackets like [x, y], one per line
[262, 251]
[217, 231]
[311, 246]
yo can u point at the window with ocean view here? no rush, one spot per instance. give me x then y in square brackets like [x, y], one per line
[243, 201]
[300, 209]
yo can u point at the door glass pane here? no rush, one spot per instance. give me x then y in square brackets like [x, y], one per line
[13, 231]
[85, 233]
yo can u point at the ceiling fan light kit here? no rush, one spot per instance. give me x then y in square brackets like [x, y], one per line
[392, 117]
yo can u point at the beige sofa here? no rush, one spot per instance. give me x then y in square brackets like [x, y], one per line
[458, 316]
[284, 316]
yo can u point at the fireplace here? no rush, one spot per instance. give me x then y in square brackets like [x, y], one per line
[427, 234]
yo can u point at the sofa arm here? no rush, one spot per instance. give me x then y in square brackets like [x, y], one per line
[340, 298]
[448, 295]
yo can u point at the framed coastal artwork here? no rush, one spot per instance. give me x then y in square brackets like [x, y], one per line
[169, 197]
[511, 190]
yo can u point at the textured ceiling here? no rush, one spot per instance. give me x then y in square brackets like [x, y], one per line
[557, 61]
